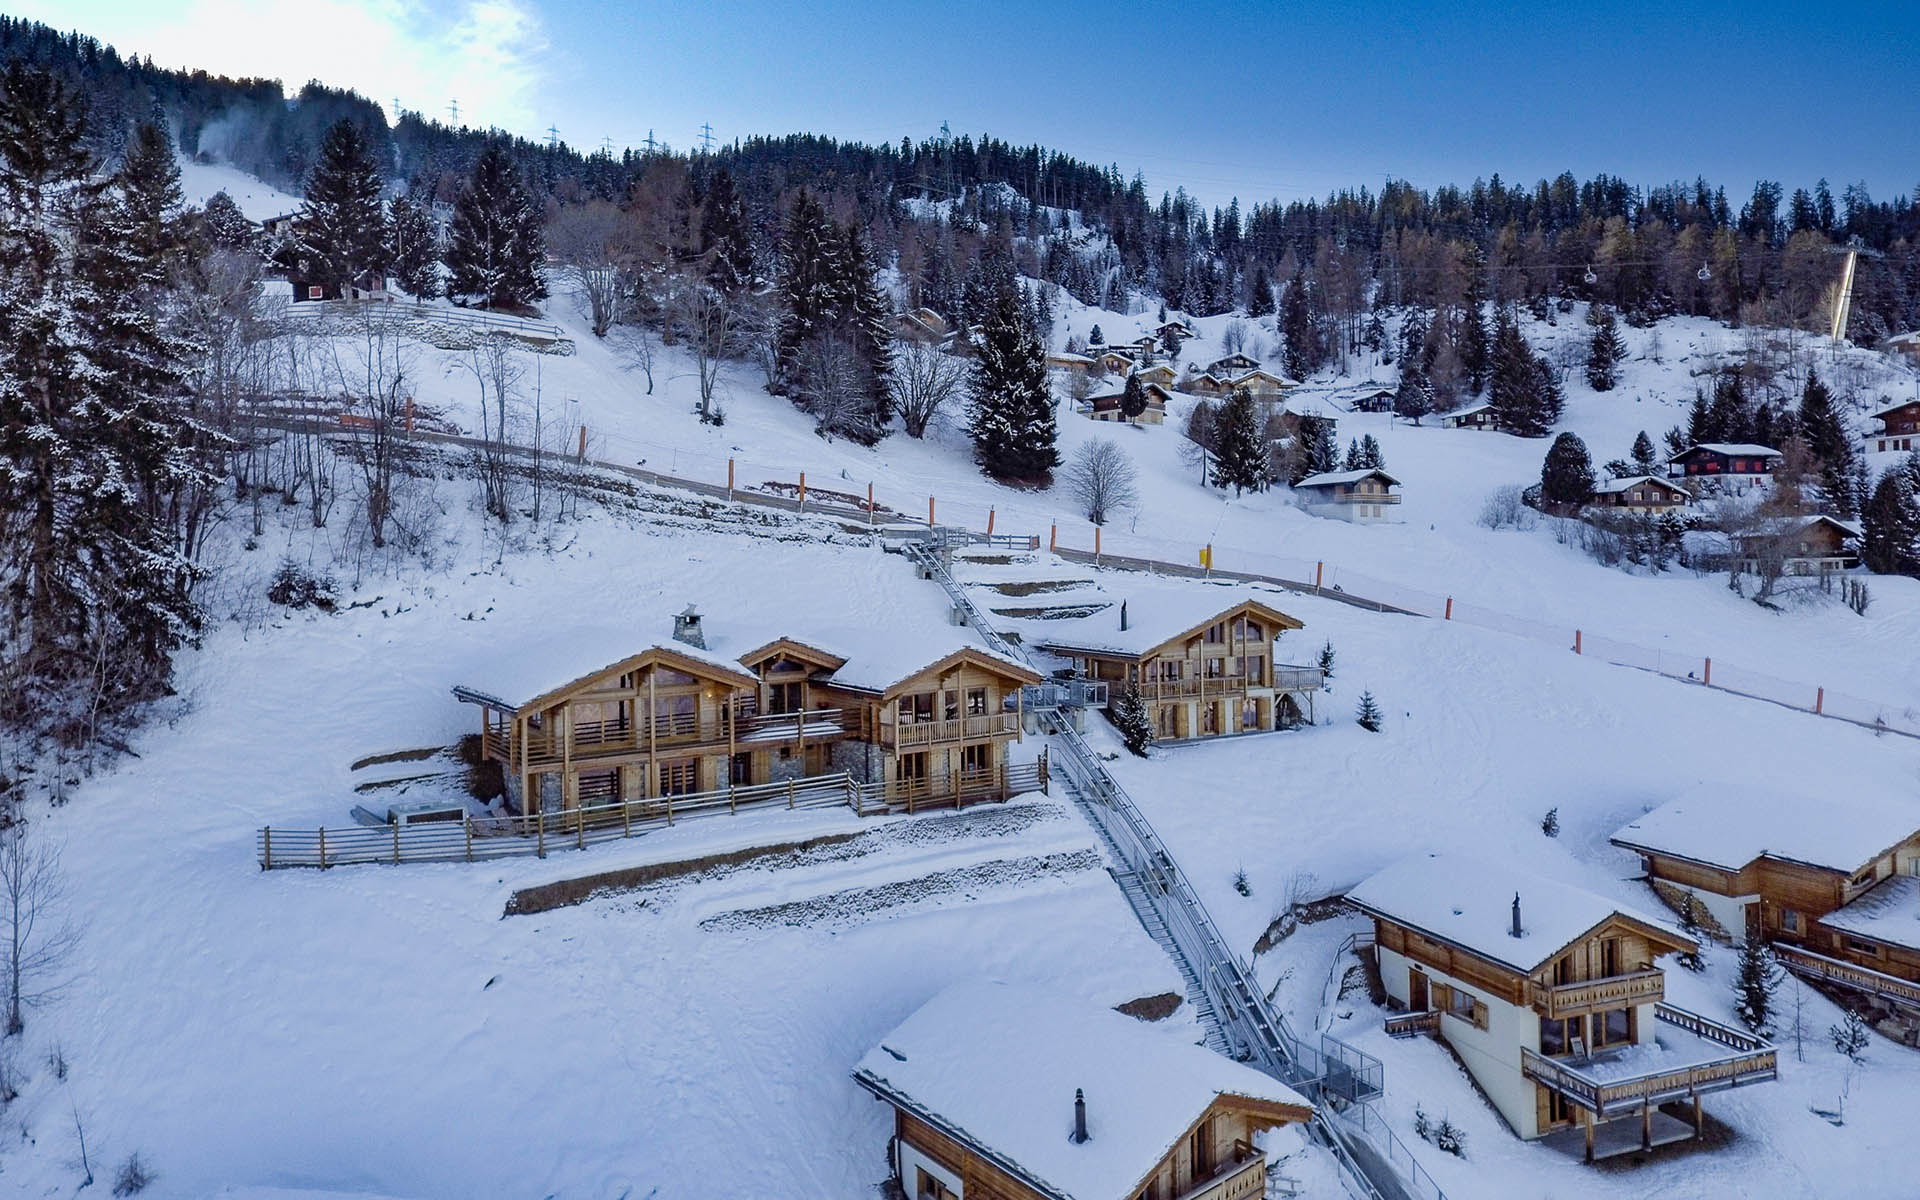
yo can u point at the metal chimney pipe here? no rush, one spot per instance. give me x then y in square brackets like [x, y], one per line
[1123, 616]
[1516, 914]
[1079, 1115]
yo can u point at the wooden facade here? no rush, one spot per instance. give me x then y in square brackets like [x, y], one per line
[1215, 1159]
[1899, 428]
[1646, 495]
[1477, 416]
[669, 722]
[1732, 462]
[1107, 407]
[1213, 679]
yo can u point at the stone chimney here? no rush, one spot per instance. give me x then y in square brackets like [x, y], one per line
[1079, 1116]
[686, 628]
[1515, 931]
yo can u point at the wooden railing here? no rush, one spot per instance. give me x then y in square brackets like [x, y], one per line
[1845, 974]
[1245, 1180]
[1176, 689]
[959, 729]
[590, 738]
[478, 839]
[1412, 1024]
[1752, 1061]
[1611, 991]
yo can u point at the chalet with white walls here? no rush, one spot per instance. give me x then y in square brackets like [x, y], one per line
[1899, 428]
[1363, 497]
[1553, 998]
[1643, 495]
[1007, 1092]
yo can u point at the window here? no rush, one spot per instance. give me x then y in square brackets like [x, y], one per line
[951, 704]
[974, 759]
[1612, 1027]
[1790, 920]
[1856, 946]
[916, 708]
[785, 697]
[1556, 1036]
[1460, 1004]
[1216, 633]
[926, 1187]
[1163, 721]
[1609, 956]
[740, 770]
[1216, 667]
[977, 702]
[913, 766]
[1200, 1152]
[677, 776]
[1863, 878]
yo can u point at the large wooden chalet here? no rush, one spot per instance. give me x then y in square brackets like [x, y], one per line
[1199, 679]
[1106, 407]
[1362, 496]
[1009, 1092]
[1232, 364]
[1831, 881]
[677, 719]
[1552, 999]
[1646, 495]
[1899, 428]
[1735, 466]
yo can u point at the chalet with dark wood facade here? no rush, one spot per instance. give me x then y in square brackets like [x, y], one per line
[1899, 428]
[1474, 416]
[1735, 466]
[1646, 495]
[1232, 364]
[1200, 678]
[677, 719]
[1820, 878]
[1553, 999]
[1007, 1092]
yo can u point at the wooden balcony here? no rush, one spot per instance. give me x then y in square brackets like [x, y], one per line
[922, 734]
[1245, 1180]
[1413, 1024]
[1193, 688]
[1597, 1085]
[1296, 679]
[1613, 991]
[1902, 993]
[607, 739]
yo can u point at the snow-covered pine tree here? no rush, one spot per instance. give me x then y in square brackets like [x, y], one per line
[1890, 526]
[1476, 351]
[1414, 397]
[495, 243]
[1095, 338]
[1690, 925]
[1826, 436]
[1260, 293]
[725, 236]
[227, 225]
[1323, 447]
[1014, 434]
[415, 252]
[1128, 712]
[1367, 715]
[866, 315]
[1643, 456]
[149, 186]
[89, 437]
[1515, 381]
[1326, 662]
[1755, 981]
[1239, 452]
[1133, 398]
[1353, 455]
[1605, 351]
[340, 233]
[1566, 476]
[808, 282]
[1296, 326]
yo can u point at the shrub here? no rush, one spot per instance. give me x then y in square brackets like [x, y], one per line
[1850, 1036]
[294, 586]
[1550, 824]
[1240, 883]
[133, 1176]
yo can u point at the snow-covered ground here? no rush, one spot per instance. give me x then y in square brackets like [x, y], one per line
[384, 1032]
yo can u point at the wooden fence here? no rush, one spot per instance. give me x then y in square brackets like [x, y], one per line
[478, 839]
[1890, 988]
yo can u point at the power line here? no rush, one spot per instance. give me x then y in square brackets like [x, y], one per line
[706, 137]
[553, 137]
[453, 112]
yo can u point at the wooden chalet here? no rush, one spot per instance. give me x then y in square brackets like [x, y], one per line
[1362, 496]
[1071, 364]
[1009, 1092]
[1814, 545]
[1110, 361]
[1232, 364]
[921, 325]
[1734, 465]
[1171, 333]
[1647, 495]
[1107, 407]
[1899, 428]
[1160, 374]
[1473, 416]
[1754, 863]
[677, 719]
[1206, 383]
[1552, 999]
[1375, 400]
[1263, 383]
[1904, 343]
[1200, 678]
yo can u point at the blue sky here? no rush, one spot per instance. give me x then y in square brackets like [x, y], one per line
[1255, 100]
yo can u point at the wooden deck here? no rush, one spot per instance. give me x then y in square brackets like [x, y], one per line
[1587, 1084]
[1902, 993]
[607, 739]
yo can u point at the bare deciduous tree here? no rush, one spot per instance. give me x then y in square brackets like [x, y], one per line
[710, 323]
[376, 378]
[1233, 339]
[833, 384]
[924, 379]
[497, 367]
[40, 938]
[596, 241]
[1103, 479]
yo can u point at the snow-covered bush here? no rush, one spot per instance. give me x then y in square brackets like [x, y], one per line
[1550, 824]
[133, 1176]
[294, 586]
[1506, 509]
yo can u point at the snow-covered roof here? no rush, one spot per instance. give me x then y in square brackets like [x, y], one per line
[1729, 826]
[1331, 478]
[1468, 411]
[1610, 486]
[1887, 912]
[1743, 449]
[1469, 902]
[1282, 380]
[1155, 616]
[998, 1064]
[1788, 526]
[1890, 409]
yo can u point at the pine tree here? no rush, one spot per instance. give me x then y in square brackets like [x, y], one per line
[415, 252]
[1371, 458]
[1367, 716]
[1699, 423]
[149, 186]
[1525, 396]
[1414, 397]
[1260, 293]
[227, 226]
[1890, 526]
[494, 242]
[1692, 960]
[1013, 427]
[1728, 417]
[1326, 662]
[92, 449]
[1550, 824]
[1133, 398]
[1095, 337]
[725, 237]
[1296, 325]
[1128, 712]
[1606, 350]
[1757, 978]
[1323, 447]
[1353, 455]
[1240, 454]
[809, 281]
[340, 234]
[1477, 354]
[865, 313]
[1820, 425]
[1643, 456]
[1566, 477]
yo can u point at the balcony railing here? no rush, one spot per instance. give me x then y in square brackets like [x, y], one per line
[601, 738]
[1233, 1181]
[959, 729]
[1902, 992]
[1612, 991]
[1296, 679]
[1606, 1094]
